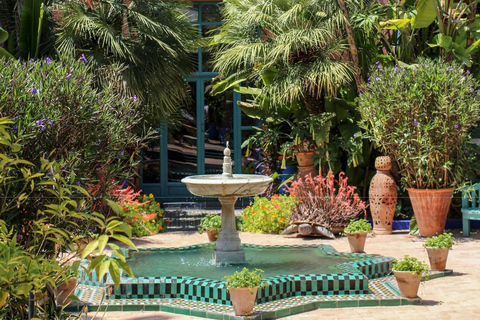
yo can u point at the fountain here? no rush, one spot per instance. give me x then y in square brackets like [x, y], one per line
[227, 187]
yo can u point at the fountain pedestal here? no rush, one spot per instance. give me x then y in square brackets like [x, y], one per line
[228, 247]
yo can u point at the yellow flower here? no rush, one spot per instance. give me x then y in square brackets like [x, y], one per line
[151, 195]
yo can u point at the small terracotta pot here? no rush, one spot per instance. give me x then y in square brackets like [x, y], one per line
[64, 290]
[408, 283]
[212, 235]
[357, 241]
[430, 207]
[437, 257]
[305, 159]
[243, 300]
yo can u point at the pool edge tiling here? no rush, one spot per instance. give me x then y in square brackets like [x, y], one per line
[383, 292]
[353, 280]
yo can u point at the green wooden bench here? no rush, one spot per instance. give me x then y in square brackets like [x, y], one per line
[470, 208]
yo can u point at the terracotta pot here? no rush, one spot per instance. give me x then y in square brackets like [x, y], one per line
[383, 196]
[357, 241]
[437, 257]
[243, 300]
[212, 235]
[64, 290]
[408, 283]
[305, 164]
[431, 208]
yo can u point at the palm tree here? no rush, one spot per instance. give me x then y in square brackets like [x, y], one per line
[151, 40]
[298, 48]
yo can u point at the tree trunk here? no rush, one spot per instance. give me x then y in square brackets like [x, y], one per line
[352, 45]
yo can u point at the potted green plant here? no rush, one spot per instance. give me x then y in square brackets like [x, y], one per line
[411, 113]
[211, 223]
[356, 232]
[243, 286]
[408, 273]
[437, 249]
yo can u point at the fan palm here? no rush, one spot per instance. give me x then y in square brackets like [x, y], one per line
[298, 48]
[151, 39]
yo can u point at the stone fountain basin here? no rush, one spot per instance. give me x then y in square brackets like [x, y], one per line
[239, 185]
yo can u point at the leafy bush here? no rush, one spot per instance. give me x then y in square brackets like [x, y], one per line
[326, 201]
[210, 221]
[39, 254]
[411, 264]
[145, 215]
[444, 240]
[361, 225]
[93, 134]
[244, 279]
[268, 216]
[421, 115]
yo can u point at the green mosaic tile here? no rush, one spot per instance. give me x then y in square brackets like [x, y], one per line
[165, 308]
[268, 315]
[347, 303]
[133, 307]
[390, 302]
[327, 304]
[152, 307]
[297, 309]
[282, 313]
[211, 315]
[368, 303]
[182, 311]
[198, 313]
[406, 301]
[309, 306]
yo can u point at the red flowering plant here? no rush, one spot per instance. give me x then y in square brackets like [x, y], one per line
[144, 214]
[325, 201]
[268, 216]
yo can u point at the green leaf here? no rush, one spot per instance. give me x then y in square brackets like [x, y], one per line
[30, 20]
[126, 268]
[473, 47]
[426, 13]
[89, 248]
[102, 269]
[114, 272]
[3, 35]
[123, 239]
[102, 242]
[443, 41]
[115, 206]
[395, 24]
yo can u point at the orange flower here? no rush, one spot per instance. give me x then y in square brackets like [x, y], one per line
[263, 208]
[134, 207]
[244, 215]
[150, 195]
[125, 208]
[168, 222]
[160, 214]
[160, 228]
[281, 220]
[300, 200]
[144, 196]
[158, 204]
[136, 200]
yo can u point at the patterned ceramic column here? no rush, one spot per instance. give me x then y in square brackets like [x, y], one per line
[383, 196]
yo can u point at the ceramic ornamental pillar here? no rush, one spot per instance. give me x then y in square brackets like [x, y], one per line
[383, 196]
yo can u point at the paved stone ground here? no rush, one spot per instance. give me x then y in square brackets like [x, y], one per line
[453, 297]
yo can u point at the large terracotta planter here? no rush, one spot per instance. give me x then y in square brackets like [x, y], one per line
[243, 300]
[212, 235]
[408, 283]
[431, 208]
[305, 162]
[437, 257]
[383, 196]
[356, 241]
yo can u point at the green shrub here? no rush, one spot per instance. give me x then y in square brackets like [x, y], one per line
[210, 221]
[421, 115]
[244, 279]
[444, 240]
[361, 225]
[58, 114]
[268, 216]
[411, 264]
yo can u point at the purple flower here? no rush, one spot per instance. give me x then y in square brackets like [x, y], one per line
[360, 94]
[377, 78]
[415, 122]
[15, 128]
[134, 98]
[19, 237]
[34, 90]
[451, 69]
[30, 61]
[391, 88]
[122, 153]
[40, 122]
[50, 122]
[377, 63]
[78, 183]
[468, 71]
[463, 76]
[456, 126]
[68, 76]
[471, 89]
[395, 69]
[82, 57]
[368, 80]
[48, 60]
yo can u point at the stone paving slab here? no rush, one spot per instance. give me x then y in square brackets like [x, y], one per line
[453, 297]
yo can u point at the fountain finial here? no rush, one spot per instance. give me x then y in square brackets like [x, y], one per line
[227, 162]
